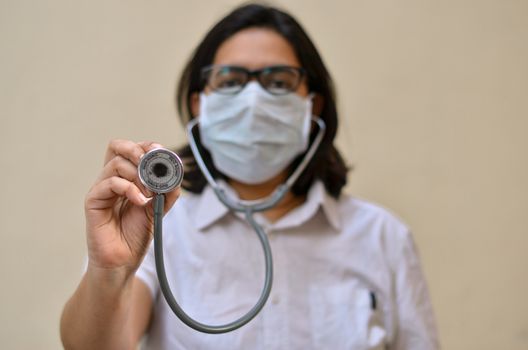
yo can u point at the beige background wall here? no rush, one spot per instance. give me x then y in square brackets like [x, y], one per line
[434, 106]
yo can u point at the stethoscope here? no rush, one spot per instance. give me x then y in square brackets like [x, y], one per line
[161, 171]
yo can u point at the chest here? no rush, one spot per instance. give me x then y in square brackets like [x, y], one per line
[330, 290]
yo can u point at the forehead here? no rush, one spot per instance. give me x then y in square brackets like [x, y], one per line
[255, 48]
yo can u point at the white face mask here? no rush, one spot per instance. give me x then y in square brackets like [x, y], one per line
[253, 136]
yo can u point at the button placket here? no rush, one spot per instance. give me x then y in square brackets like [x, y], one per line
[272, 237]
[277, 320]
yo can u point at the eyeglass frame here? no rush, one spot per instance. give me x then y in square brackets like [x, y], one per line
[205, 71]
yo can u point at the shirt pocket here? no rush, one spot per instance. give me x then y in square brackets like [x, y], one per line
[346, 316]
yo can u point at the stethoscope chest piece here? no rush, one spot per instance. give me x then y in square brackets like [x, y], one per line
[160, 170]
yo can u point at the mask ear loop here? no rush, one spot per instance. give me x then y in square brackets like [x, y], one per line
[308, 118]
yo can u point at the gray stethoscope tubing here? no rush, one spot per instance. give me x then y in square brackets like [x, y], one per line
[169, 297]
[248, 208]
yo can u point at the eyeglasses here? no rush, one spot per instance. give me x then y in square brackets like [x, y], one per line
[230, 80]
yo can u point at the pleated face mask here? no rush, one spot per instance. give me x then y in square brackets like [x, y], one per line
[253, 136]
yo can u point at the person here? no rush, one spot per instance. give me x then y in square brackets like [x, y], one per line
[346, 271]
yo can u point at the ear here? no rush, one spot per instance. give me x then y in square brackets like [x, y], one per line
[317, 104]
[195, 104]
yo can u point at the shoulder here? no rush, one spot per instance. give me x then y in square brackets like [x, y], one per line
[377, 225]
[358, 211]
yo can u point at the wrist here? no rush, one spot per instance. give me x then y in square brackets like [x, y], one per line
[109, 277]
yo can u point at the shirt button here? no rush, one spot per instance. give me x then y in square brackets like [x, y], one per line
[275, 300]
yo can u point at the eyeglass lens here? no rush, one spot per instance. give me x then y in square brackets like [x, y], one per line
[277, 80]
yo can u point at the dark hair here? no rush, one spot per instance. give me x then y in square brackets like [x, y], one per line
[327, 164]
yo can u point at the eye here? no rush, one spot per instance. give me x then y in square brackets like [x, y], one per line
[277, 84]
[227, 80]
[280, 81]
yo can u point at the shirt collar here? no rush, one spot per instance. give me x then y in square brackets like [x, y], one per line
[317, 199]
[210, 209]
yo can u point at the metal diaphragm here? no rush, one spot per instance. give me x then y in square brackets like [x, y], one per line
[160, 170]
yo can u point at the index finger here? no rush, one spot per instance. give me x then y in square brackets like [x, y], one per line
[149, 145]
[124, 148]
[128, 149]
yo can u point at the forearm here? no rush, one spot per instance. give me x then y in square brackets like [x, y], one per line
[97, 315]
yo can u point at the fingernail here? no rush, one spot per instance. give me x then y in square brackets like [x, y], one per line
[144, 199]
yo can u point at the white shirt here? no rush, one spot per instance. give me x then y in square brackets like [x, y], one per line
[346, 276]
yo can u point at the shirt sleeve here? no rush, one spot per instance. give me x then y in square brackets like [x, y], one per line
[416, 328]
[147, 272]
